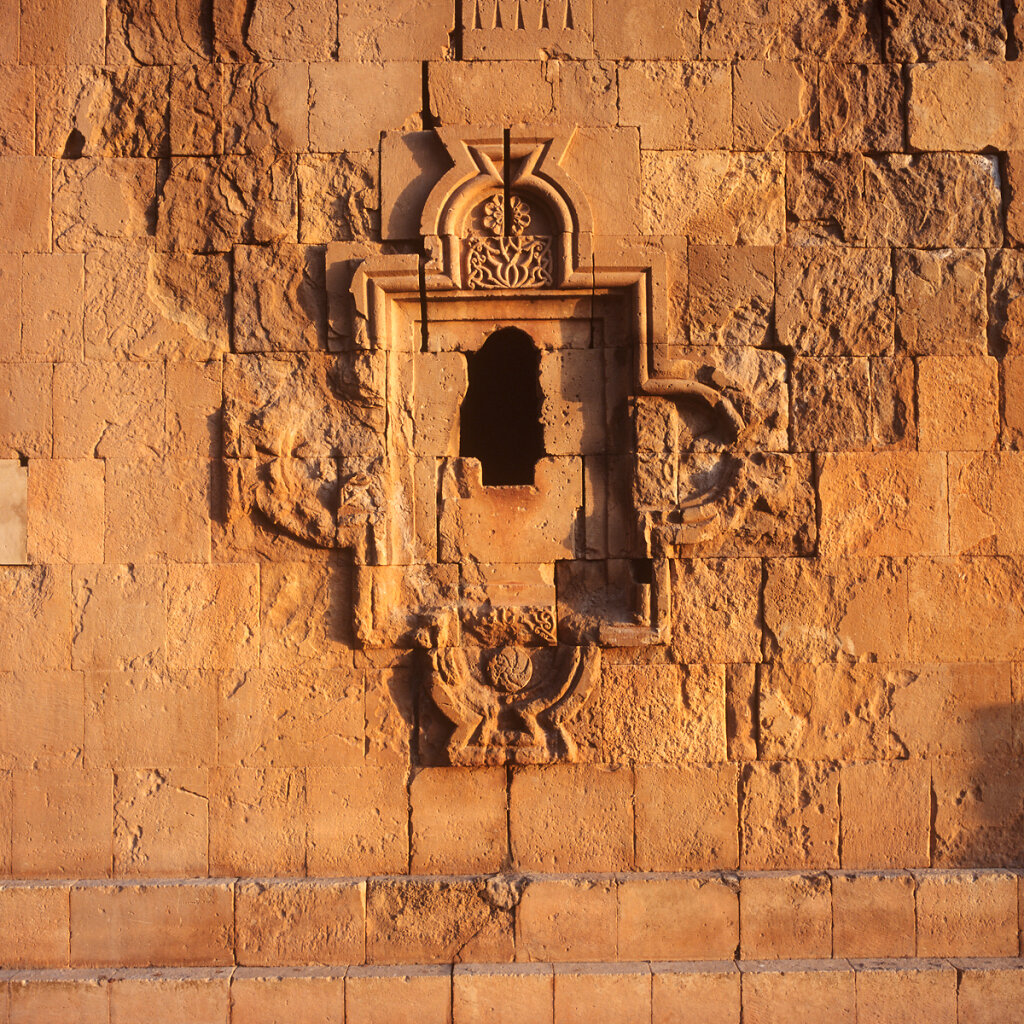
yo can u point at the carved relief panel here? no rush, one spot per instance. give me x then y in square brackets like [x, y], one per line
[509, 450]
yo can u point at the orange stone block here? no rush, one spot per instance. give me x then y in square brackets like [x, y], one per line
[26, 412]
[25, 203]
[34, 926]
[50, 737]
[706, 993]
[411, 995]
[785, 917]
[958, 403]
[799, 993]
[279, 998]
[59, 1002]
[66, 510]
[561, 920]
[156, 1000]
[892, 993]
[989, 993]
[967, 914]
[873, 915]
[600, 992]
[510, 995]
[35, 618]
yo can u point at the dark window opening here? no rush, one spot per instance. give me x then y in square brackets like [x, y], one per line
[500, 419]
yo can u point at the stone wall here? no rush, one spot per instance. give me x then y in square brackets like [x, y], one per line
[238, 779]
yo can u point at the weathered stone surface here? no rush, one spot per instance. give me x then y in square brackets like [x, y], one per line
[677, 105]
[503, 92]
[788, 917]
[618, 993]
[835, 302]
[204, 999]
[25, 203]
[958, 402]
[62, 32]
[414, 995]
[193, 409]
[197, 110]
[35, 618]
[525, 993]
[789, 816]
[734, 198]
[102, 112]
[339, 197]
[873, 915]
[36, 926]
[278, 30]
[266, 109]
[1007, 297]
[802, 992]
[102, 203]
[832, 407]
[156, 32]
[565, 920]
[299, 924]
[704, 994]
[988, 994]
[17, 124]
[860, 107]
[715, 609]
[941, 302]
[51, 306]
[385, 31]
[731, 294]
[1013, 168]
[775, 105]
[265, 994]
[208, 205]
[885, 503]
[646, 30]
[50, 737]
[143, 304]
[985, 493]
[26, 410]
[440, 922]
[967, 915]
[919, 31]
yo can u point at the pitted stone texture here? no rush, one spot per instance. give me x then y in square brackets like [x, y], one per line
[731, 294]
[102, 203]
[775, 105]
[266, 109]
[861, 107]
[156, 32]
[339, 197]
[647, 30]
[949, 30]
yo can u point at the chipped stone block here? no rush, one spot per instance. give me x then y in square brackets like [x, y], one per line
[744, 29]
[266, 109]
[565, 920]
[1007, 298]
[161, 826]
[156, 32]
[210, 204]
[789, 816]
[785, 917]
[339, 197]
[731, 294]
[143, 304]
[649, 730]
[595, 835]
[843, 30]
[677, 105]
[52, 286]
[374, 97]
[941, 302]
[26, 409]
[193, 408]
[734, 198]
[835, 302]
[885, 503]
[497, 92]
[985, 492]
[885, 812]
[741, 712]
[831, 403]
[949, 30]
[586, 92]
[646, 30]
[277, 30]
[103, 112]
[279, 301]
[13, 512]
[25, 203]
[966, 914]
[958, 403]
[295, 923]
[460, 921]
[197, 110]
[35, 926]
[1013, 168]
[775, 105]
[873, 915]
[50, 737]
[17, 122]
[102, 203]
[35, 618]
[861, 107]
[383, 30]
[407, 606]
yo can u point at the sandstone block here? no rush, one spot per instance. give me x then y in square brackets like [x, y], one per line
[196, 110]
[25, 203]
[299, 923]
[825, 198]
[35, 927]
[142, 304]
[861, 107]
[500, 92]
[35, 618]
[10, 306]
[824, 712]
[746, 29]
[210, 204]
[775, 105]
[785, 917]
[270, 718]
[102, 112]
[65, 510]
[13, 513]
[978, 807]
[459, 821]
[143, 926]
[873, 915]
[278, 31]
[1013, 402]
[102, 410]
[339, 197]
[358, 821]
[987, 994]
[409, 30]
[885, 503]
[62, 823]
[33, 1001]
[63, 32]
[859, 609]
[266, 108]
[616, 995]
[566, 920]
[161, 823]
[102, 203]
[964, 914]
[897, 994]
[835, 303]
[275, 997]
[980, 615]
[789, 816]
[156, 32]
[7, 808]
[734, 198]
[706, 993]
[849, 30]
[26, 412]
[442, 922]
[586, 92]
[741, 712]
[391, 687]
[120, 618]
[646, 31]
[885, 812]
[522, 994]
[892, 402]
[649, 729]
[374, 97]
[51, 736]
[193, 409]
[17, 124]
[257, 822]
[677, 919]
[985, 495]
[51, 306]
[677, 105]
[1006, 297]
[715, 609]
[142, 719]
[941, 302]
[151, 1000]
[595, 835]
[799, 993]
[731, 294]
[686, 818]
[1013, 168]
[918, 31]
[417, 995]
